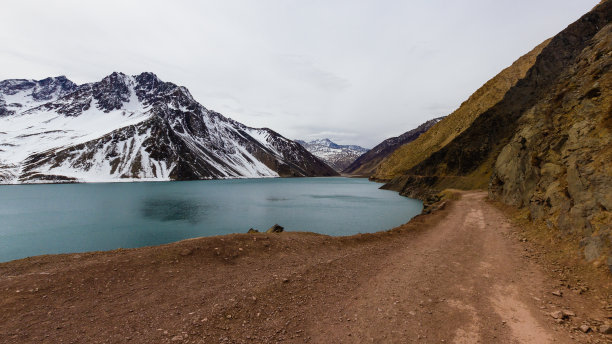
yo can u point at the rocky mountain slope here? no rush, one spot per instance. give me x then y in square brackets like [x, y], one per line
[558, 163]
[441, 134]
[367, 164]
[546, 145]
[132, 128]
[335, 155]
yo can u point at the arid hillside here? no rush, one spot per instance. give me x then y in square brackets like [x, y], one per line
[443, 132]
[367, 164]
[558, 164]
[545, 146]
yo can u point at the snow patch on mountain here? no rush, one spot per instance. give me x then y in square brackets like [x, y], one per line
[132, 128]
[335, 155]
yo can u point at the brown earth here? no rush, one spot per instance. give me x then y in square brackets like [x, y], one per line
[462, 274]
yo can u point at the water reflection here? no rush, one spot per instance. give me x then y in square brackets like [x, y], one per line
[343, 197]
[276, 199]
[164, 210]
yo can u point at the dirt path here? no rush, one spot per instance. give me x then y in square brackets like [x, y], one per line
[458, 282]
[456, 276]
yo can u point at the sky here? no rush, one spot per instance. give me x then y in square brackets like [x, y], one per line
[354, 71]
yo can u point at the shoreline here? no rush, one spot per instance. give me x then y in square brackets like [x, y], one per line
[450, 275]
[137, 215]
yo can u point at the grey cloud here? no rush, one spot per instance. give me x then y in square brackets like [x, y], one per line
[304, 68]
[356, 71]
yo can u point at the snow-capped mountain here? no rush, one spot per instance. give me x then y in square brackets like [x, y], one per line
[335, 155]
[132, 128]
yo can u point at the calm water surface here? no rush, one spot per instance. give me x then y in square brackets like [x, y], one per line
[43, 219]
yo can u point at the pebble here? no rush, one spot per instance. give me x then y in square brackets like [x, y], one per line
[558, 293]
[557, 314]
[177, 338]
[568, 313]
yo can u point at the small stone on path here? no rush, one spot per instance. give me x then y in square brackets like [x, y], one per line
[605, 329]
[557, 314]
[568, 313]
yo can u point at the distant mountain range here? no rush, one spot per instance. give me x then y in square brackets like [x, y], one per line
[132, 128]
[337, 156]
[367, 163]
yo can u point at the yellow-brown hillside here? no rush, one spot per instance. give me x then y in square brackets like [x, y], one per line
[454, 124]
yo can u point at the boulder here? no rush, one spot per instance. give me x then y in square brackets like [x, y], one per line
[605, 329]
[253, 230]
[592, 248]
[275, 229]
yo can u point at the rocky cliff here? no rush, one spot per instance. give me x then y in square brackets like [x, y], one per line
[366, 164]
[558, 163]
[545, 145]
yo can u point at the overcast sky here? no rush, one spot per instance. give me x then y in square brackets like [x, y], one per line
[354, 71]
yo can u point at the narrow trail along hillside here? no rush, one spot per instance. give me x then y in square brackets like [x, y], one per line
[459, 275]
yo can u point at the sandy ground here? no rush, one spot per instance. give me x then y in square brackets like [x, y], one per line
[459, 275]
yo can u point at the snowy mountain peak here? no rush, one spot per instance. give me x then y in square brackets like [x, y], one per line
[335, 155]
[132, 127]
[113, 91]
[324, 143]
[18, 95]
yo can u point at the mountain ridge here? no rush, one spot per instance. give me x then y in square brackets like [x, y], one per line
[336, 156]
[368, 163]
[133, 128]
[410, 154]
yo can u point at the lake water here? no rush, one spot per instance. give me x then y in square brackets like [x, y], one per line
[61, 218]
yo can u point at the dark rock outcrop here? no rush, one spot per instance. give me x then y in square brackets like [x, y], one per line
[558, 163]
[275, 229]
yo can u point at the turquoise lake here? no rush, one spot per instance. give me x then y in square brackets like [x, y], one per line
[62, 218]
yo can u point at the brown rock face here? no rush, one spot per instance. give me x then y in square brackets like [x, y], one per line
[468, 159]
[546, 145]
[559, 161]
[412, 152]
